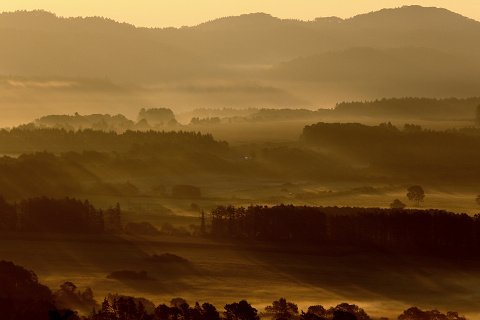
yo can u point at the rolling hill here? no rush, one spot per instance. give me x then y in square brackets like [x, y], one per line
[252, 60]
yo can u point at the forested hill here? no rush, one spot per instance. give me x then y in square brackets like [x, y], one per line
[412, 108]
[26, 140]
[126, 53]
[410, 151]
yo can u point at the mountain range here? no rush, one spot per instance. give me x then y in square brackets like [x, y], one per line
[407, 51]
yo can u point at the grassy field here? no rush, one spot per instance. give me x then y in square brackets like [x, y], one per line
[158, 210]
[222, 273]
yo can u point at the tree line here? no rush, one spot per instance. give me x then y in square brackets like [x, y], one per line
[412, 108]
[27, 138]
[67, 215]
[22, 297]
[429, 231]
[408, 152]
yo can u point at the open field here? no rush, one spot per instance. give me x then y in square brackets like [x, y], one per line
[221, 273]
[158, 210]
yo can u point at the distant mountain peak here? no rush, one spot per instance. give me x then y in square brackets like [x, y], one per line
[418, 12]
[243, 18]
[40, 19]
[39, 13]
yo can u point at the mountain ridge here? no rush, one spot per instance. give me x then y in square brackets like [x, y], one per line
[232, 51]
[415, 9]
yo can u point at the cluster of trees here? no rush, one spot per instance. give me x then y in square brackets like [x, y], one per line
[31, 139]
[88, 159]
[434, 232]
[23, 297]
[409, 153]
[205, 121]
[415, 193]
[157, 117]
[281, 309]
[74, 122]
[368, 153]
[411, 108]
[415, 313]
[69, 296]
[58, 215]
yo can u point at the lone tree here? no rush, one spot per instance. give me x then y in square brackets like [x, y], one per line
[416, 194]
[397, 204]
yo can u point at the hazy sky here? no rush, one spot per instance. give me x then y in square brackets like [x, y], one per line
[161, 13]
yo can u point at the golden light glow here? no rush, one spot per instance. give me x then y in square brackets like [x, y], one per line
[162, 13]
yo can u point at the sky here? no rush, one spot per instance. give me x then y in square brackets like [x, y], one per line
[165, 13]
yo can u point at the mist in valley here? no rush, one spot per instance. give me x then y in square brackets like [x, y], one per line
[245, 168]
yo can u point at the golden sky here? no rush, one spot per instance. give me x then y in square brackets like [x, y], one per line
[162, 13]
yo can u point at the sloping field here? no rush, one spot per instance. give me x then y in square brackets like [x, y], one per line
[222, 273]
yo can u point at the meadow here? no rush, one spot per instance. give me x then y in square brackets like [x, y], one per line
[223, 272]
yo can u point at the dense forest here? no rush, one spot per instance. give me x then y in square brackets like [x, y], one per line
[147, 119]
[411, 108]
[409, 152]
[432, 232]
[58, 216]
[433, 111]
[26, 140]
[386, 109]
[50, 158]
[22, 297]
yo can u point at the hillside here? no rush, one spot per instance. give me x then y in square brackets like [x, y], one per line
[256, 60]
[387, 72]
[101, 47]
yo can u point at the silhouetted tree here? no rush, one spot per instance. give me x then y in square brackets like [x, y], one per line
[106, 312]
[68, 297]
[209, 312]
[162, 312]
[416, 194]
[415, 313]
[157, 116]
[397, 204]
[59, 215]
[344, 309]
[240, 311]
[62, 315]
[281, 309]
[343, 315]
[317, 310]
[21, 295]
[433, 232]
[178, 302]
[452, 315]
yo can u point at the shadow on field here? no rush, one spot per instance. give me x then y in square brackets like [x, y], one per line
[412, 280]
[78, 256]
